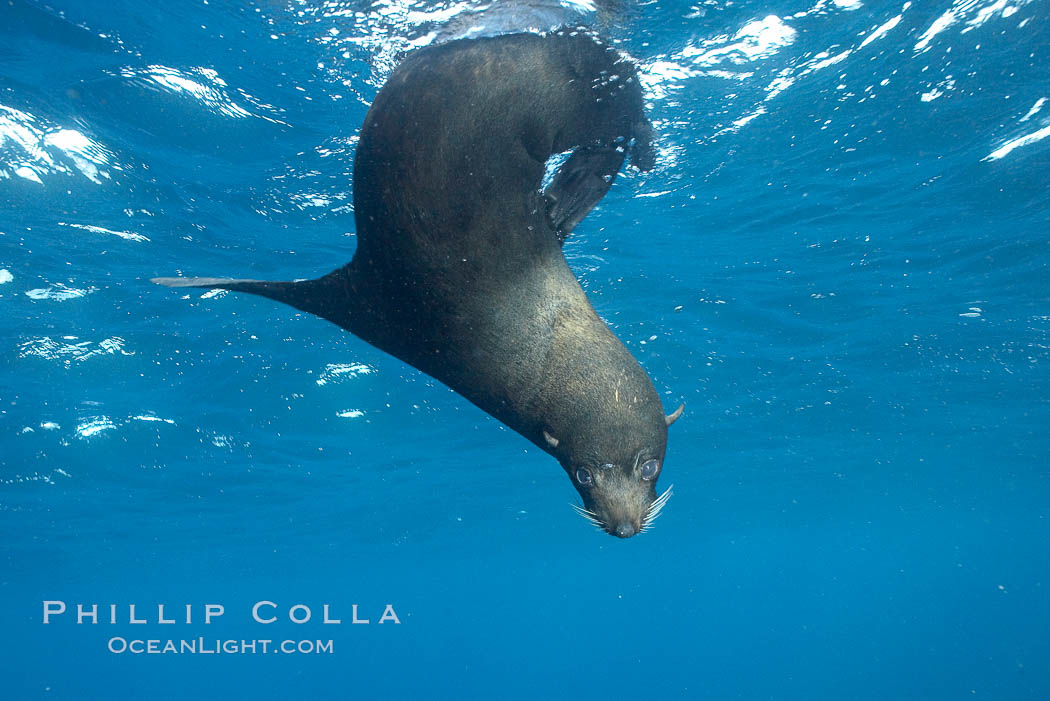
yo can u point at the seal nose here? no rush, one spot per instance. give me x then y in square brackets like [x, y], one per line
[625, 530]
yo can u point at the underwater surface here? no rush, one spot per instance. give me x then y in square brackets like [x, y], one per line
[841, 265]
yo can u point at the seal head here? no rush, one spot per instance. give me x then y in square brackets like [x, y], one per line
[614, 457]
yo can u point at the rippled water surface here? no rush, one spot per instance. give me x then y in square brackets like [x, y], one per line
[839, 264]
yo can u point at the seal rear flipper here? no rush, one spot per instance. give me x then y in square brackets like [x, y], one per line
[579, 184]
[313, 296]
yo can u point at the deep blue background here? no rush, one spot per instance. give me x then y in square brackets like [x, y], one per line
[849, 290]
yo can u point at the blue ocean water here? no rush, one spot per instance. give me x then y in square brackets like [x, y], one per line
[840, 265]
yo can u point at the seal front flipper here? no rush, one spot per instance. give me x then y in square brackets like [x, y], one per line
[321, 296]
[578, 185]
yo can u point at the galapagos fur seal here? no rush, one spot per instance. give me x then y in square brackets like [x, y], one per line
[459, 269]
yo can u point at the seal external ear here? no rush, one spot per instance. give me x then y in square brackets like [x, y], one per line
[672, 417]
[551, 440]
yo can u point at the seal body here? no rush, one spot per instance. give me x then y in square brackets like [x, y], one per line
[459, 269]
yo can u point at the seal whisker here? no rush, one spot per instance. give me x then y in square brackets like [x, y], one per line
[583, 511]
[659, 502]
[590, 516]
[656, 507]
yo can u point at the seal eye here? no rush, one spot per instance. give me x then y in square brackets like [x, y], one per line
[584, 477]
[650, 469]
